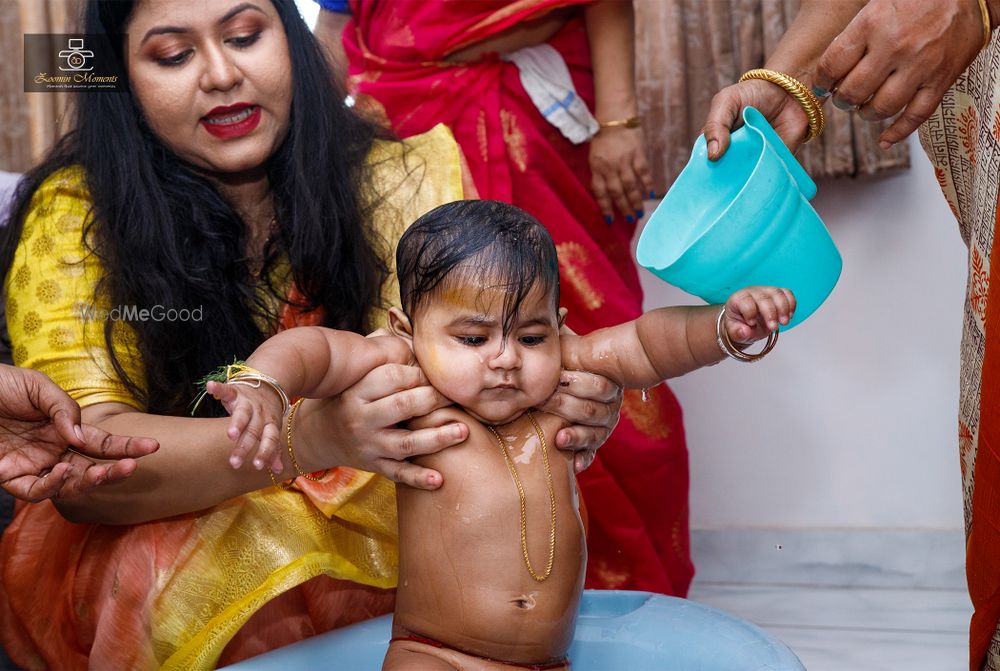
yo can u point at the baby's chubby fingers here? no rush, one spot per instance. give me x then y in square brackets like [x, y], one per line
[224, 393]
[774, 305]
[248, 442]
[267, 452]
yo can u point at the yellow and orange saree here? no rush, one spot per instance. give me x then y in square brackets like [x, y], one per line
[191, 592]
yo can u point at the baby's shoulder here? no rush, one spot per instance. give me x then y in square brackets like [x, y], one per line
[479, 446]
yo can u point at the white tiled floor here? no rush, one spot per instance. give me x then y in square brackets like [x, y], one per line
[854, 628]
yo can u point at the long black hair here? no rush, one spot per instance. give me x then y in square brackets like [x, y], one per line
[166, 237]
[478, 242]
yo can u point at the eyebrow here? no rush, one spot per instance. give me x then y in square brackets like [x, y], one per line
[164, 30]
[474, 320]
[488, 321]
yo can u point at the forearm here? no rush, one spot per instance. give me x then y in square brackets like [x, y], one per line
[317, 362]
[190, 471]
[610, 31]
[659, 345]
[814, 28]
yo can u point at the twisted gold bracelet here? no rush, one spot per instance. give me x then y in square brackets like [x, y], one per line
[807, 100]
[288, 444]
[987, 28]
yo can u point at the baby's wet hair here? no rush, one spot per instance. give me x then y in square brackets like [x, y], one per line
[480, 242]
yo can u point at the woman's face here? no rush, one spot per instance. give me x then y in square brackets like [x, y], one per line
[213, 78]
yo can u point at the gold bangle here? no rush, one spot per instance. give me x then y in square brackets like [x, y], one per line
[730, 350]
[807, 99]
[288, 443]
[631, 122]
[987, 27]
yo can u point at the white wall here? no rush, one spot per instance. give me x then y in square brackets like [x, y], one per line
[852, 420]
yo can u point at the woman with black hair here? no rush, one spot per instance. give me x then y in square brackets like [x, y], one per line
[228, 195]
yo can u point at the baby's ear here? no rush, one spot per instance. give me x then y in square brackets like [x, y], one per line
[399, 324]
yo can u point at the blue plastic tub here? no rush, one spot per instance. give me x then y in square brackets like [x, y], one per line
[742, 220]
[615, 630]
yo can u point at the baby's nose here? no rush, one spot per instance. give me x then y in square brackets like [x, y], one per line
[507, 358]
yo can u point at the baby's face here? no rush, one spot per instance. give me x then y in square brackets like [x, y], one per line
[458, 343]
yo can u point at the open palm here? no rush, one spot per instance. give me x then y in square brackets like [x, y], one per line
[45, 452]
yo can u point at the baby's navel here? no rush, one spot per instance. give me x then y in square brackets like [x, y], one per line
[524, 602]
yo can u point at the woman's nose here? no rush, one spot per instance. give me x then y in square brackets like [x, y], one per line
[220, 72]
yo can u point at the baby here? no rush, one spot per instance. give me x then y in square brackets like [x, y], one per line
[491, 564]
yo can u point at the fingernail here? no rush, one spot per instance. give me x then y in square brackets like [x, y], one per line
[886, 146]
[629, 218]
[652, 195]
[842, 104]
[608, 220]
[713, 148]
[456, 431]
[79, 432]
[639, 214]
[258, 464]
[235, 461]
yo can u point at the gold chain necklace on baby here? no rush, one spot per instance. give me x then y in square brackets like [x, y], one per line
[520, 495]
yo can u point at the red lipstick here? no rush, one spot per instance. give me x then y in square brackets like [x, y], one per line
[231, 121]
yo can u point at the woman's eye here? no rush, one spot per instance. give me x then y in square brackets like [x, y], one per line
[472, 340]
[532, 340]
[173, 61]
[244, 41]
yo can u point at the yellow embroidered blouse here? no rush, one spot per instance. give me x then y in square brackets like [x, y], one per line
[57, 329]
[343, 527]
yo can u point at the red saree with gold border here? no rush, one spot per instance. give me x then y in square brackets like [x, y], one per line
[636, 492]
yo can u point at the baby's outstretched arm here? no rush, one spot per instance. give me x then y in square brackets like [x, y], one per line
[308, 361]
[670, 342]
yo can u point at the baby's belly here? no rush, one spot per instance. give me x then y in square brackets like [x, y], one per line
[463, 576]
[528, 626]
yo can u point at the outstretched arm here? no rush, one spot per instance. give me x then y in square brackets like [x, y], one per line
[308, 362]
[670, 342]
[318, 362]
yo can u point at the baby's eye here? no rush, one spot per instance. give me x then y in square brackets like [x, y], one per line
[532, 340]
[472, 340]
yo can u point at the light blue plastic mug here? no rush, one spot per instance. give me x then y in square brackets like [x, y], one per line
[742, 220]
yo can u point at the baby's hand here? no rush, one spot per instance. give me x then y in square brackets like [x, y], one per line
[256, 422]
[752, 313]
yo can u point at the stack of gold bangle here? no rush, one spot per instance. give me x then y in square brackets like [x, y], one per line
[809, 102]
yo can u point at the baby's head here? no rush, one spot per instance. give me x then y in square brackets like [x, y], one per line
[479, 282]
